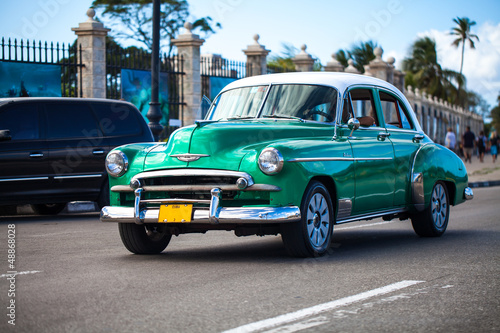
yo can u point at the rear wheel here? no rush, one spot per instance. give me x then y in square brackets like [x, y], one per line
[48, 209]
[432, 222]
[311, 236]
[145, 238]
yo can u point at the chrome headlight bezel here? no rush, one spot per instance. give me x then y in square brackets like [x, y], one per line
[116, 163]
[270, 161]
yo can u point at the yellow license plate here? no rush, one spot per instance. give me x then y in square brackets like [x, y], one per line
[175, 213]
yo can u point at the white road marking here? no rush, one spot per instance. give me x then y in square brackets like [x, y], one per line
[363, 225]
[19, 273]
[302, 325]
[317, 309]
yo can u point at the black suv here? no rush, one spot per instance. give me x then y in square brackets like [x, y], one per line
[52, 150]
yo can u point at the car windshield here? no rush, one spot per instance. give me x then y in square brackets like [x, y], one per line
[308, 102]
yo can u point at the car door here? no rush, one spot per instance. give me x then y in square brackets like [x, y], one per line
[406, 140]
[373, 154]
[76, 150]
[23, 156]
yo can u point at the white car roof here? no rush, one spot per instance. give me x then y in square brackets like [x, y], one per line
[340, 81]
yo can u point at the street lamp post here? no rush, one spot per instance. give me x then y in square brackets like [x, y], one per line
[154, 113]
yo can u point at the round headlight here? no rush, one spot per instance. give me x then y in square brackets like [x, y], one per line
[270, 161]
[116, 163]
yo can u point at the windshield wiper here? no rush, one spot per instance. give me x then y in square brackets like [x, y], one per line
[240, 118]
[282, 117]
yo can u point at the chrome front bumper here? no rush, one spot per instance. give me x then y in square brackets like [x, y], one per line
[210, 215]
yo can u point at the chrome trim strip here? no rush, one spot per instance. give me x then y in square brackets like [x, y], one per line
[417, 191]
[230, 215]
[468, 194]
[18, 179]
[194, 172]
[191, 188]
[344, 208]
[319, 159]
[371, 216]
[77, 176]
[213, 216]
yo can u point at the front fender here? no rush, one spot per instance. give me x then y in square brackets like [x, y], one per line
[433, 163]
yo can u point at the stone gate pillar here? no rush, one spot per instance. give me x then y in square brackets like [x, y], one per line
[92, 38]
[188, 46]
[256, 58]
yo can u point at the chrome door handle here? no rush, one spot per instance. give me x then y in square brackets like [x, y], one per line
[383, 135]
[98, 152]
[418, 137]
[36, 155]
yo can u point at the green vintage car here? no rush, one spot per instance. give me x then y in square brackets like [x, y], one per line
[291, 154]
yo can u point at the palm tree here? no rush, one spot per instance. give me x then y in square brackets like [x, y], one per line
[424, 71]
[462, 30]
[361, 53]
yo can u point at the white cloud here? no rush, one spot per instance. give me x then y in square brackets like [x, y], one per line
[481, 65]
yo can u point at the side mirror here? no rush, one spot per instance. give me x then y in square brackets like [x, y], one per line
[353, 124]
[5, 135]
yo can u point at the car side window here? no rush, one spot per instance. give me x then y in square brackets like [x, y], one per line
[117, 118]
[21, 120]
[395, 114]
[70, 120]
[363, 107]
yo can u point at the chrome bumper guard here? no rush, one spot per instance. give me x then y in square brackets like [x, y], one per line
[210, 215]
[468, 194]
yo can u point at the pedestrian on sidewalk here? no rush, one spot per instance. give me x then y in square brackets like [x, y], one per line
[450, 140]
[482, 141]
[468, 140]
[494, 138]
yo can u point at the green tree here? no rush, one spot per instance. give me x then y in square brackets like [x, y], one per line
[283, 62]
[132, 19]
[424, 72]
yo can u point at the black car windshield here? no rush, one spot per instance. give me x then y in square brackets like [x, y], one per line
[308, 102]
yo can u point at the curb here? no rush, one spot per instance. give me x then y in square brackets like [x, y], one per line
[484, 184]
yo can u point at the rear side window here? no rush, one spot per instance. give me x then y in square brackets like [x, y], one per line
[22, 120]
[117, 118]
[394, 112]
[70, 120]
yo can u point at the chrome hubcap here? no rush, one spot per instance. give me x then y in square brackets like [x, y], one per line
[318, 220]
[439, 206]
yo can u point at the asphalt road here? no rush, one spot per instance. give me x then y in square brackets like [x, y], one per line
[76, 276]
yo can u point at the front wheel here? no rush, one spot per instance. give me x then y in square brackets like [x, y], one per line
[311, 236]
[432, 222]
[144, 239]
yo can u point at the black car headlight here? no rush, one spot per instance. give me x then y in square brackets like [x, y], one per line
[116, 163]
[270, 161]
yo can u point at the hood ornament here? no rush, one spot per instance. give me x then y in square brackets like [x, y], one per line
[189, 157]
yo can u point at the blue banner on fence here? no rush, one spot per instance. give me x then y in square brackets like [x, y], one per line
[217, 83]
[29, 80]
[136, 89]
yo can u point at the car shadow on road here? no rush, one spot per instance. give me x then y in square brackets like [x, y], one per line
[347, 246]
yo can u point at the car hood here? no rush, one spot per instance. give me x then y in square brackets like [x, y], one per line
[223, 145]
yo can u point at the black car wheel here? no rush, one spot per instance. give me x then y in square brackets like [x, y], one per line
[311, 236]
[432, 222]
[144, 239]
[48, 209]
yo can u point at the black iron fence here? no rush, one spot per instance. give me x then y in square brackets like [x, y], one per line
[136, 59]
[220, 67]
[45, 53]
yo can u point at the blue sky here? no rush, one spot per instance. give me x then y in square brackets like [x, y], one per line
[325, 26]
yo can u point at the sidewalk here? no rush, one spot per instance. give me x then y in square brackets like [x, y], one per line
[483, 174]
